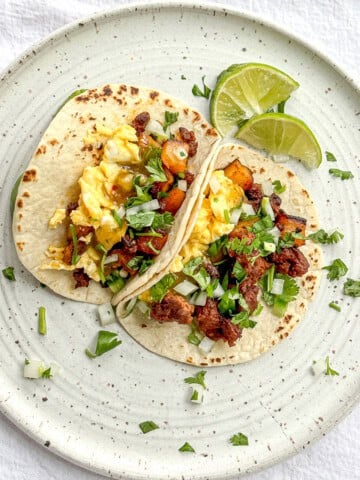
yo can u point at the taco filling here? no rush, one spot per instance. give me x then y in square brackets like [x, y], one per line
[127, 201]
[244, 253]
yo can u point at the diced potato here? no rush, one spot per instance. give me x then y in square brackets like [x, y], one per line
[239, 174]
[289, 224]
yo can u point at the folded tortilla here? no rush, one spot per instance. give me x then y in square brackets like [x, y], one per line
[169, 339]
[50, 180]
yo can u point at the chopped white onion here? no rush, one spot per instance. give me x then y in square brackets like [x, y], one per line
[182, 185]
[280, 158]
[266, 208]
[267, 187]
[33, 368]
[142, 306]
[196, 394]
[200, 299]
[130, 305]
[318, 367]
[123, 273]
[278, 286]
[154, 127]
[269, 247]
[235, 215]
[106, 314]
[150, 206]
[185, 288]
[206, 344]
[133, 210]
[219, 291]
[121, 211]
[111, 259]
[214, 184]
[275, 232]
[248, 209]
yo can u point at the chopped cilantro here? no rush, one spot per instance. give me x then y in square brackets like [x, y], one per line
[263, 224]
[278, 187]
[336, 270]
[239, 439]
[343, 174]
[239, 272]
[217, 247]
[329, 370]
[186, 448]
[145, 264]
[352, 287]
[242, 320]
[106, 341]
[227, 304]
[280, 302]
[46, 373]
[142, 194]
[155, 168]
[323, 237]
[162, 220]
[198, 378]
[8, 273]
[193, 337]
[148, 426]
[288, 240]
[135, 262]
[330, 157]
[196, 91]
[170, 118]
[212, 287]
[139, 220]
[195, 269]
[159, 290]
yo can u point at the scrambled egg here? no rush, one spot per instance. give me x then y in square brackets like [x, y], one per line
[212, 221]
[102, 188]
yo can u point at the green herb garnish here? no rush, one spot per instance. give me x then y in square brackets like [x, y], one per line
[239, 272]
[117, 219]
[278, 187]
[335, 306]
[160, 289]
[145, 264]
[196, 91]
[148, 426]
[330, 157]
[323, 237]
[155, 168]
[239, 439]
[106, 341]
[336, 270]
[242, 320]
[8, 273]
[195, 269]
[163, 220]
[352, 287]
[227, 304]
[100, 247]
[140, 220]
[170, 118]
[198, 378]
[280, 302]
[46, 373]
[329, 370]
[186, 448]
[193, 337]
[343, 174]
[216, 247]
[42, 327]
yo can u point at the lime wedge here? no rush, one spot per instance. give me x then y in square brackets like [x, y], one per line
[244, 90]
[282, 134]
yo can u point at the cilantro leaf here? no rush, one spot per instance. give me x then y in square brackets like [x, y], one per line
[330, 157]
[198, 378]
[159, 290]
[148, 426]
[227, 303]
[239, 439]
[8, 273]
[192, 337]
[278, 187]
[145, 264]
[135, 262]
[242, 320]
[352, 287]
[195, 269]
[186, 448]
[336, 270]
[329, 370]
[46, 373]
[162, 220]
[323, 237]
[170, 118]
[264, 224]
[196, 91]
[288, 240]
[343, 174]
[142, 194]
[280, 302]
[239, 272]
[155, 168]
[139, 220]
[217, 247]
[106, 341]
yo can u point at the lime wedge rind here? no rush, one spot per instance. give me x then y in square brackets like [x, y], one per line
[281, 134]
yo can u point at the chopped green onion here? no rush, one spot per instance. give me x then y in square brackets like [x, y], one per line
[335, 306]
[42, 321]
[117, 219]
[8, 273]
[151, 246]
[148, 426]
[329, 370]
[227, 216]
[75, 257]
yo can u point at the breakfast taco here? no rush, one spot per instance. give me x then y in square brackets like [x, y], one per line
[245, 274]
[99, 208]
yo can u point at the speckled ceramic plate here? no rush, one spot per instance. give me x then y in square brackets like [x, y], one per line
[90, 412]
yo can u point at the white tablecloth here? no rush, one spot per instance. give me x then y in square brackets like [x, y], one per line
[332, 26]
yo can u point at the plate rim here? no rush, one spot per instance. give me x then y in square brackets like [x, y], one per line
[132, 9]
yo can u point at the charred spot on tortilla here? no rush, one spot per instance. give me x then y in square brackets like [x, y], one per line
[20, 203]
[53, 142]
[20, 246]
[153, 95]
[41, 150]
[134, 90]
[107, 90]
[26, 195]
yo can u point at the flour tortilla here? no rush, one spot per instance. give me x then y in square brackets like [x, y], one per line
[50, 181]
[170, 339]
